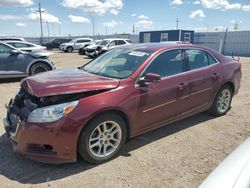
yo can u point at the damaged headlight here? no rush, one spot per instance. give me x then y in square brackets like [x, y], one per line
[51, 113]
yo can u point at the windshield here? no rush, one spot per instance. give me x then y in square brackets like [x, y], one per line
[118, 63]
[73, 41]
[104, 42]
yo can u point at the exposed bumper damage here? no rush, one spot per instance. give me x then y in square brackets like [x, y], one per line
[54, 142]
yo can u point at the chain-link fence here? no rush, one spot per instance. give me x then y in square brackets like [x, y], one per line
[228, 43]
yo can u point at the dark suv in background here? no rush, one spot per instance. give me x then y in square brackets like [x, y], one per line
[55, 43]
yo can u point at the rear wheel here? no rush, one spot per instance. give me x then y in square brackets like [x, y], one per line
[102, 138]
[70, 49]
[222, 101]
[38, 68]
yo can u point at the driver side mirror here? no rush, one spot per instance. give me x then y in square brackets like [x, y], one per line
[149, 78]
[14, 52]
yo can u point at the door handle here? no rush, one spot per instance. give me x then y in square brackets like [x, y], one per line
[181, 86]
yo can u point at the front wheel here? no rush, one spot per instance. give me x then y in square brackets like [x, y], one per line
[222, 101]
[102, 138]
[70, 49]
[38, 68]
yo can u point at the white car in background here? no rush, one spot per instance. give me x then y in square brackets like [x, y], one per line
[26, 46]
[11, 39]
[75, 44]
[105, 45]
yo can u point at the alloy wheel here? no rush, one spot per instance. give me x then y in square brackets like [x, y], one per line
[105, 139]
[224, 99]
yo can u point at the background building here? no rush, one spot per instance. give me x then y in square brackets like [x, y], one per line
[166, 35]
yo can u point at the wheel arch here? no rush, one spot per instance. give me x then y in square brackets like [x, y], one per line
[122, 114]
[70, 47]
[230, 84]
[39, 61]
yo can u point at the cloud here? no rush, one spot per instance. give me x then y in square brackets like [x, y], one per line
[144, 21]
[111, 24]
[197, 2]
[246, 7]
[10, 17]
[78, 19]
[114, 12]
[24, 3]
[46, 17]
[197, 14]
[95, 7]
[142, 17]
[176, 2]
[220, 4]
[21, 25]
[133, 15]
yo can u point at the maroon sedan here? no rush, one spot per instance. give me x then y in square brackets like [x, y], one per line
[128, 91]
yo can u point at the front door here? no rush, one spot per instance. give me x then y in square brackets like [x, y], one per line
[165, 99]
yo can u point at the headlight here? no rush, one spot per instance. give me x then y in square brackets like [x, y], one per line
[51, 113]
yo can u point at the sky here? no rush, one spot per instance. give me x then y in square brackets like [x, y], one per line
[76, 17]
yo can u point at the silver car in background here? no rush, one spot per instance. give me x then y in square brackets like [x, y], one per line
[75, 44]
[26, 46]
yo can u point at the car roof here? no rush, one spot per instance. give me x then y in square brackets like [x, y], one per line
[162, 46]
[82, 39]
[115, 39]
[11, 38]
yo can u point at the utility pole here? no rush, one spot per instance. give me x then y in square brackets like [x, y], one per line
[106, 30]
[59, 25]
[177, 23]
[41, 21]
[93, 20]
[48, 27]
[133, 29]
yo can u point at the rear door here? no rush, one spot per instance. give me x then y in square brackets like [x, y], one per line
[81, 42]
[203, 75]
[163, 100]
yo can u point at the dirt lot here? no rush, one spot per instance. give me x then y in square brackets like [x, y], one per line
[178, 155]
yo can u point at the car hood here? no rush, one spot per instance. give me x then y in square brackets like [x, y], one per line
[66, 81]
[94, 46]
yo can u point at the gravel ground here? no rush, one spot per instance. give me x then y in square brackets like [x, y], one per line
[178, 155]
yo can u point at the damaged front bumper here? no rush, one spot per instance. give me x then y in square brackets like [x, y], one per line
[54, 142]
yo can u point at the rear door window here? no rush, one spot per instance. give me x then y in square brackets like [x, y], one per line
[197, 59]
[22, 45]
[120, 42]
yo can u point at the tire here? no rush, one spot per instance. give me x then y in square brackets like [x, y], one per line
[38, 68]
[222, 101]
[102, 139]
[70, 49]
